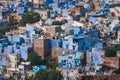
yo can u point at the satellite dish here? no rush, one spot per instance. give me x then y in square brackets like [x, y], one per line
[63, 27]
[63, 53]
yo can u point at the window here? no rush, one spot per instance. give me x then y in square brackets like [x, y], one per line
[74, 47]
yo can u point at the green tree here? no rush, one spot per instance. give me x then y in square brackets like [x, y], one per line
[30, 78]
[111, 51]
[56, 23]
[35, 59]
[46, 75]
[29, 17]
[50, 63]
[2, 32]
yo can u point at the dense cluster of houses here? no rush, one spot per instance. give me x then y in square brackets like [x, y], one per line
[89, 26]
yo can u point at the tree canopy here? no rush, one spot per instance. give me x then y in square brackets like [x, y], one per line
[29, 17]
[2, 32]
[50, 63]
[56, 23]
[46, 75]
[35, 59]
[111, 51]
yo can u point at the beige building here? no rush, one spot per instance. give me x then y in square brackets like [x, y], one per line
[77, 9]
[13, 60]
[112, 62]
[97, 7]
[53, 29]
[42, 46]
[14, 18]
[45, 14]
[37, 1]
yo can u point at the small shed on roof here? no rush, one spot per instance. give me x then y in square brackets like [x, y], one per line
[75, 23]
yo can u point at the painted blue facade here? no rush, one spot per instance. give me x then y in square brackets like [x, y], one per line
[54, 43]
[91, 19]
[37, 68]
[48, 2]
[70, 60]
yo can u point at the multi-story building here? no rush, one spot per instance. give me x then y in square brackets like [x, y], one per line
[13, 19]
[42, 46]
[13, 60]
[4, 13]
[118, 37]
[38, 3]
[53, 29]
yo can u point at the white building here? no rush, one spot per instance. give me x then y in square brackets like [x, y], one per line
[13, 60]
[118, 37]
[70, 60]
[68, 43]
[24, 52]
[94, 56]
[14, 38]
[30, 35]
